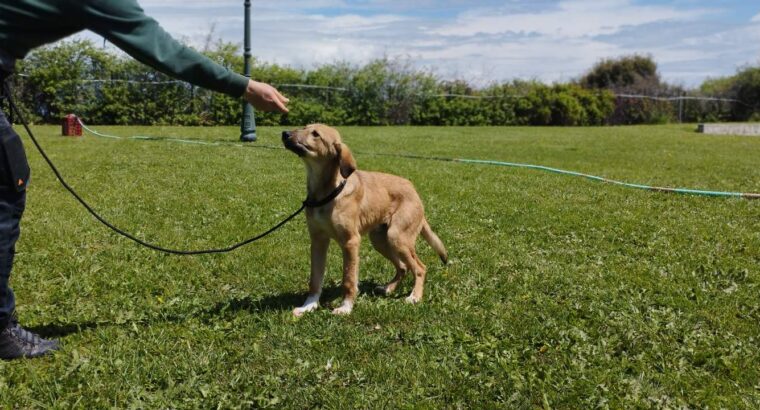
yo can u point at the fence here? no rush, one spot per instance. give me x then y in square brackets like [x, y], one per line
[129, 101]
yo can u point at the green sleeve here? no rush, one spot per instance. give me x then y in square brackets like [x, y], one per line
[124, 23]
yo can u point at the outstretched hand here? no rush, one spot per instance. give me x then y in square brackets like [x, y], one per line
[264, 97]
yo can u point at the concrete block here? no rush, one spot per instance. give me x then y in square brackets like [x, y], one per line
[749, 129]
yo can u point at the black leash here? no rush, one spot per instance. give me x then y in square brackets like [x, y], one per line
[306, 204]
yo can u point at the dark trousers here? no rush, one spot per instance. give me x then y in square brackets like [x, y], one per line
[12, 205]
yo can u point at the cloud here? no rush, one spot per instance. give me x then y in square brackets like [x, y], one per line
[482, 40]
[575, 18]
[349, 23]
[563, 41]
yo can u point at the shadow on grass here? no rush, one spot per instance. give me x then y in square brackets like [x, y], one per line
[58, 330]
[283, 301]
[280, 302]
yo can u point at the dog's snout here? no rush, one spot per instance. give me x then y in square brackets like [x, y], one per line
[289, 140]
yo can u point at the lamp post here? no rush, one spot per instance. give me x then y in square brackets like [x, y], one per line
[248, 124]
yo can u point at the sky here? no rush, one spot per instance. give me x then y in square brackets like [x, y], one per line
[484, 41]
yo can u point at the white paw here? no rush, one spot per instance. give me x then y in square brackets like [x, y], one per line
[312, 303]
[344, 309]
[412, 299]
[299, 311]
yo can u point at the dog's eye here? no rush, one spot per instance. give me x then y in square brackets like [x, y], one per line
[315, 134]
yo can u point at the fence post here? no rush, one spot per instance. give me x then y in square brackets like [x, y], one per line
[248, 124]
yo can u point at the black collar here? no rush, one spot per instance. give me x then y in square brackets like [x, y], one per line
[326, 200]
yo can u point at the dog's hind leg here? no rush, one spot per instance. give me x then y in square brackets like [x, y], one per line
[391, 286]
[319, 246]
[420, 270]
[379, 239]
[402, 240]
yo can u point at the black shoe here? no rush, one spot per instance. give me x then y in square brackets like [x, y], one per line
[17, 342]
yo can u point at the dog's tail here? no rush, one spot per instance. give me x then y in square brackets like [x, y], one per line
[435, 242]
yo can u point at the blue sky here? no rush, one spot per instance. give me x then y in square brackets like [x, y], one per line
[485, 40]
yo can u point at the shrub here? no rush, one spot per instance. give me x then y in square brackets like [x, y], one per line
[745, 87]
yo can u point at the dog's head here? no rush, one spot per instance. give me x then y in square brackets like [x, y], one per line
[321, 146]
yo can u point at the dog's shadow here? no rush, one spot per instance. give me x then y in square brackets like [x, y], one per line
[280, 302]
[284, 301]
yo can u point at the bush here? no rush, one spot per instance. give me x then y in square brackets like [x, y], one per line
[564, 105]
[745, 87]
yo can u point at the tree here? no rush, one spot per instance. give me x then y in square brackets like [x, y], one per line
[622, 73]
[637, 75]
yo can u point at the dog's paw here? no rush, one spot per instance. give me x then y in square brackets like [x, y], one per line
[344, 309]
[299, 311]
[412, 299]
[311, 304]
[381, 290]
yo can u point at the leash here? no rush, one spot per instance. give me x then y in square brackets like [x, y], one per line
[308, 203]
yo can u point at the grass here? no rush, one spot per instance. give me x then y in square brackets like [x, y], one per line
[562, 292]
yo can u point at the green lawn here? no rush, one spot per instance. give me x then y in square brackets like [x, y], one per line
[562, 292]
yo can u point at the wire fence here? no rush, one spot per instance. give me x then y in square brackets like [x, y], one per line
[444, 95]
[168, 101]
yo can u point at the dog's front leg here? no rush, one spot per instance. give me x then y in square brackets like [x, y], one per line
[319, 245]
[350, 274]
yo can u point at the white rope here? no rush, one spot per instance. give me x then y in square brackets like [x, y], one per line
[147, 138]
[116, 80]
[677, 98]
[429, 96]
[318, 87]
[91, 131]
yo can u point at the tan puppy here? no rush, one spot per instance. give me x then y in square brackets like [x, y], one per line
[384, 206]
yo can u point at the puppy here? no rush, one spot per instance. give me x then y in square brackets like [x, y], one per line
[384, 206]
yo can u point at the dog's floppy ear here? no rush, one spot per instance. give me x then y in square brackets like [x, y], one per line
[346, 160]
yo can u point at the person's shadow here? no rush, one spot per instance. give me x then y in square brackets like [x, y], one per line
[280, 302]
[59, 330]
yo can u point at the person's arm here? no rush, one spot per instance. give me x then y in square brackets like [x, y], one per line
[124, 23]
